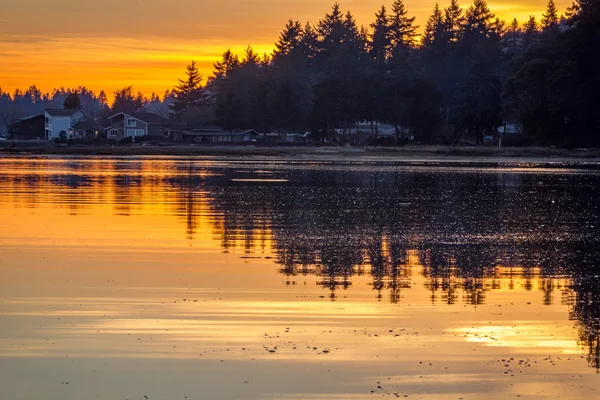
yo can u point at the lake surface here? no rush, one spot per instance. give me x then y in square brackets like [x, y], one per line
[173, 278]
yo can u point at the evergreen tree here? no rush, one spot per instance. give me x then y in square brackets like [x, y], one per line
[353, 37]
[434, 30]
[189, 93]
[72, 101]
[310, 42]
[223, 69]
[453, 19]
[331, 31]
[127, 101]
[550, 18]
[530, 31]
[289, 40]
[479, 20]
[402, 28]
[102, 100]
[514, 27]
[250, 57]
[512, 39]
[380, 44]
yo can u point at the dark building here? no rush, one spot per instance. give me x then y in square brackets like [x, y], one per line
[28, 128]
[135, 124]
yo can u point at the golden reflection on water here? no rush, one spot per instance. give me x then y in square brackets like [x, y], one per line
[172, 259]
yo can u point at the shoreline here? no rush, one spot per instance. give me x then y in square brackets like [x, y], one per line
[343, 152]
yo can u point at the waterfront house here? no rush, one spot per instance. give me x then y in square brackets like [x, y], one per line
[220, 136]
[86, 129]
[28, 128]
[58, 120]
[134, 124]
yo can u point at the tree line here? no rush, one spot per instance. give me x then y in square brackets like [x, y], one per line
[465, 77]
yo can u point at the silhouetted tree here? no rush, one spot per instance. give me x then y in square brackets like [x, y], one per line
[125, 100]
[550, 18]
[189, 94]
[72, 101]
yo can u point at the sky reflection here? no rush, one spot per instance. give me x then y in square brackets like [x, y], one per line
[427, 279]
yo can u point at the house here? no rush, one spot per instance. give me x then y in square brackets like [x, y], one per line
[284, 138]
[220, 136]
[86, 129]
[28, 128]
[133, 124]
[61, 120]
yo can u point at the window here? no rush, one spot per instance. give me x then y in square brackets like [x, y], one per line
[131, 122]
[48, 120]
[135, 132]
[114, 132]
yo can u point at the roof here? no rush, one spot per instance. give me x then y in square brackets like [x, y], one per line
[87, 124]
[60, 112]
[31, 117]
[147, 117]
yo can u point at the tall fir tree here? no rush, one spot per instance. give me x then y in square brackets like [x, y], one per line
[453, 19]
[479, 20]
[380, 43]
[434, 30]
[126, 101]
[250, 58]
[550, 18]
[222, 69]
[72, 101]
[189, 92]
[530, 31]
[403, 31]
[331, 31]
[289, 40]
[310, 42]
[512, 38]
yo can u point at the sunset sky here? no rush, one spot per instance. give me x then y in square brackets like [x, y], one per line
[147, 43]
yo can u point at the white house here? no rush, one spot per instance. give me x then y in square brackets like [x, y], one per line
[58, 120]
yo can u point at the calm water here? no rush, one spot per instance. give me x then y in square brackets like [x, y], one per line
[166, 278]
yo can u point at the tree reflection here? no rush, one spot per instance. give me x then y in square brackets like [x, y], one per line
[465, 234]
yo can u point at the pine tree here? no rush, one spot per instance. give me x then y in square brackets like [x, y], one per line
[310, 42]
[126, 101]
[289, 40]
[550, 18]
[573, 10]
[102, 100]
[223, 69]
[512, 39]
[530, 29]
[514, 27]
[479, 20]
[189, 92]
[434, 30]
[453, 19]
[353, 39]
[72, 101]
[140, 100]
[331, 30]
[402, 28]
[380, 44]
[250, 58]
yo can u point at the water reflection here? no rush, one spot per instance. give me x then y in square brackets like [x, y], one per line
[466, 230]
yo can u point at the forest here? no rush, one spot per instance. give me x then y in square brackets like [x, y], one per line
[463, 76]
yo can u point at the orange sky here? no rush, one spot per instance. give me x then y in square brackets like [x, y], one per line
[147, 43]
